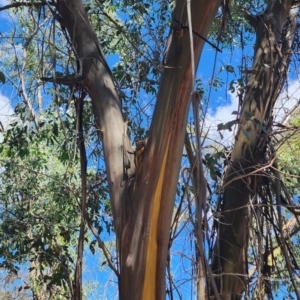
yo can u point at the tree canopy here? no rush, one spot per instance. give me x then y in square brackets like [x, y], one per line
[153, 149]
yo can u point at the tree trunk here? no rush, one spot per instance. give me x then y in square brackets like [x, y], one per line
[146, 234]
[274, 36]
[142, 208]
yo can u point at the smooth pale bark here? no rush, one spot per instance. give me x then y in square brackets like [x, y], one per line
[142, 208]
[97, 81]
[271, 58]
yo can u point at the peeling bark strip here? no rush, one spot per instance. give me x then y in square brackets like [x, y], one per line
[83, 169]
[142, 216]
[271, 58]
[147, 232]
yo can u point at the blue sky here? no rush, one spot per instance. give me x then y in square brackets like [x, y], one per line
[222, 104]
[5, 93]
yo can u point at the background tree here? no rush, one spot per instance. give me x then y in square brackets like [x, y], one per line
[275, 30]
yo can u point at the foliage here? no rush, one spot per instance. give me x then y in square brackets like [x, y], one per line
[40, 175]
[40, 193]
[39, 215]
[288, 154]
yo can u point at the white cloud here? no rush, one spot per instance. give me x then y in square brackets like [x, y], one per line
[288, 100]
[6, 110]
[223, 115]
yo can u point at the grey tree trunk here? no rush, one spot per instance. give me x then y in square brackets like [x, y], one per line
[274, 36]
[142, 208]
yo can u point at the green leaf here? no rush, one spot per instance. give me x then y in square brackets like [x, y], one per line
[191, 188]
[246, 133]
[2, 77]
[92, 248]
[221, 135]
[232, 86]
[248, 115]
[213, 174]
[229, 68]
[227, 125]
[258, 124]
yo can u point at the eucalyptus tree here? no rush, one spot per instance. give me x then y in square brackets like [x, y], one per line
[70, 39]
[141, 223]
[275, 29]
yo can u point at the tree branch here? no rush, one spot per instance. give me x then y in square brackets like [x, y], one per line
[252, 20]
[21, 4]
[83, 166]
[102, 246]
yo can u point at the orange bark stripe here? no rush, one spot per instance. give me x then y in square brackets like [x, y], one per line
[149, 288]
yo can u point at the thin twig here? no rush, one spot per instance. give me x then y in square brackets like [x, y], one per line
[102, 246]
[200, 36]
[83, 168]
[21, 4]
